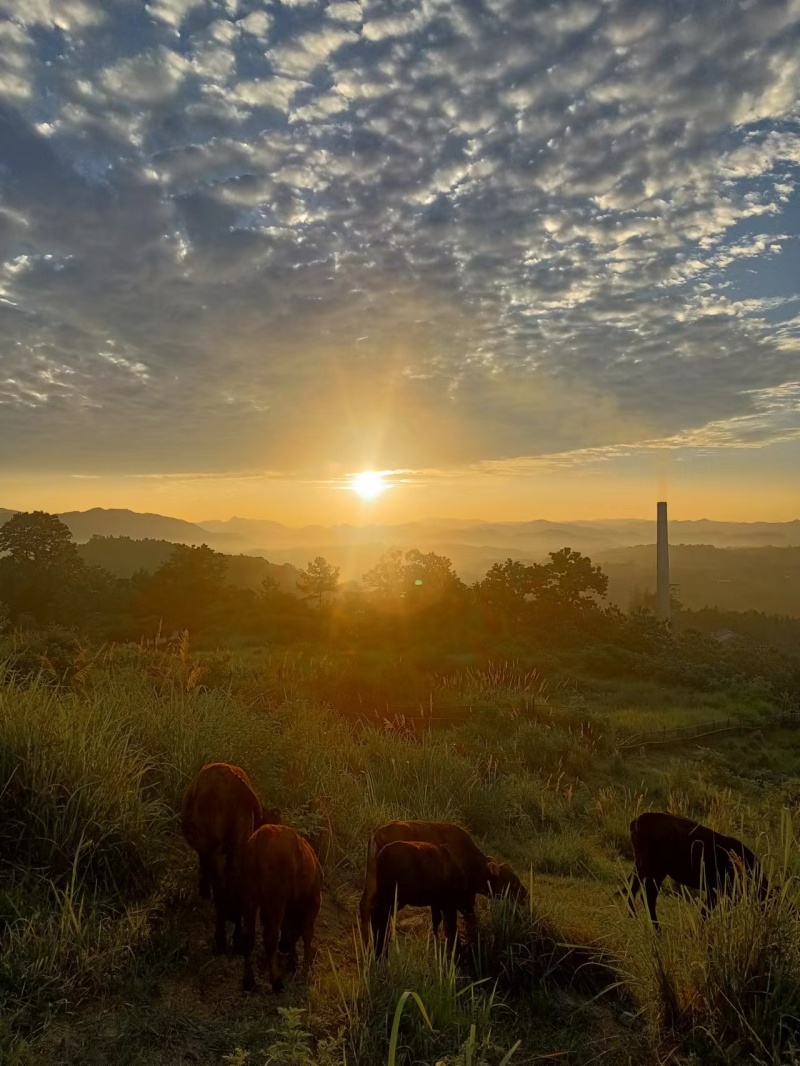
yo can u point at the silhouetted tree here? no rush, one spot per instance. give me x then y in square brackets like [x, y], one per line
[509, 586]
[318, 579]
[42, 558]
[387, 579]
[269, 588]
[185, 592]
[571, 579]
[415, 578]
[431, 578]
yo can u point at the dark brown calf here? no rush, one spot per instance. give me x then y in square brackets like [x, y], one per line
[219, 812]
[415, 873]
[282, 879]
[667, 845]
[484, 875]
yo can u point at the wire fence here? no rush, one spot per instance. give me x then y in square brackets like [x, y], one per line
[698, 730]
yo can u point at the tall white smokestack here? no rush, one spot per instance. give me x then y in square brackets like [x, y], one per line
[662, 558]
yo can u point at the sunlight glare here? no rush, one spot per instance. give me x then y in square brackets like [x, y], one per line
[368, 484]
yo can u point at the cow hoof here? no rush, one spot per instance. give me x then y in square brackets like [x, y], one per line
[277, 986]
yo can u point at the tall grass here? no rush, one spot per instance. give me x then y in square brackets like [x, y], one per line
[456, 1008]
[726, 987]
[91, 779]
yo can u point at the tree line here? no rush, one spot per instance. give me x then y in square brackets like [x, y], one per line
[45, 580]
[551, 614]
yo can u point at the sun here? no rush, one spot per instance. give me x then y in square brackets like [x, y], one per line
[368, 484]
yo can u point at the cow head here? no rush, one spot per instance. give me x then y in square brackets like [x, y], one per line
[503, 881]
[272, 816]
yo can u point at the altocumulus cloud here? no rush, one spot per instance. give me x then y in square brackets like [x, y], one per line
[434, 233]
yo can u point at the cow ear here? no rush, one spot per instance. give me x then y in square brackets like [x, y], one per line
[494, 868]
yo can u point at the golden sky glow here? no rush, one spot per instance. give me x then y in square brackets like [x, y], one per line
[245, 258]
[736, 486]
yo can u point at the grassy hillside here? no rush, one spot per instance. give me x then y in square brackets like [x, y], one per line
[106, 949]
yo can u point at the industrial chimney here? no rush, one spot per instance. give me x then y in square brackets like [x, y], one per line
[662, 559]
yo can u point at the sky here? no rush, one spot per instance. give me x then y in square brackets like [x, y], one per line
[530, 259]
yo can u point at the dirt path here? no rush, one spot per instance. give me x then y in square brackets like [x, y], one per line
[183, 1005]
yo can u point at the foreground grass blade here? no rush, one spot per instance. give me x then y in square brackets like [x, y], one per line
[392, 1060]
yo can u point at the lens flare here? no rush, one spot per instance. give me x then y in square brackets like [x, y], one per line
[368, 484]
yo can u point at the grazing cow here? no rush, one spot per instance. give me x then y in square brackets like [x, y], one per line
[484, 875]
[219, 812]
[667, 845]
[282, 879]
[415, 873]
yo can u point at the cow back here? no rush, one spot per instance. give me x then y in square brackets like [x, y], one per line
[280, 863]
[220, 808]
[421, 873]
[457, 839]
[691, 853]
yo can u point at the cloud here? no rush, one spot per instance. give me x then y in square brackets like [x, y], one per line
[301, 57]
[148, 78]
[408, 234]
[257, 22]
[173, 12]
[66, 15]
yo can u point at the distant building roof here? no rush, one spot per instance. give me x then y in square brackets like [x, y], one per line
[723, 635]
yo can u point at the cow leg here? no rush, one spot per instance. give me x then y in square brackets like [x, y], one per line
[204, 880]
[712, 896]
[220, 896]
[288, 942]
[470, 921]
[364, 908]
[634, 886]
[247, 942]
[309, 952]
[451, 928]
[237, 929]
[652, 886]
[380, 918]
[436, 920]
[271, 932]
[370, 889]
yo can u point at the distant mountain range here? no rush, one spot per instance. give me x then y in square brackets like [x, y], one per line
[758, 569]
[473, 545]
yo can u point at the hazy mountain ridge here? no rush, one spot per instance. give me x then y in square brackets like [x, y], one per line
[121, 522]
[731, 565]
[470, 541]
[537, 536]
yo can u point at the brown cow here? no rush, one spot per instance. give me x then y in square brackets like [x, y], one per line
[415, 873]
[485, 876]
[219, 812]
[282, 879]
[667, 845]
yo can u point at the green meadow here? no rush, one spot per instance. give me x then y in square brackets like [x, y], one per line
[106, 947]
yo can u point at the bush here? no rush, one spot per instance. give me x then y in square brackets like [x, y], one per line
[50, 657]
